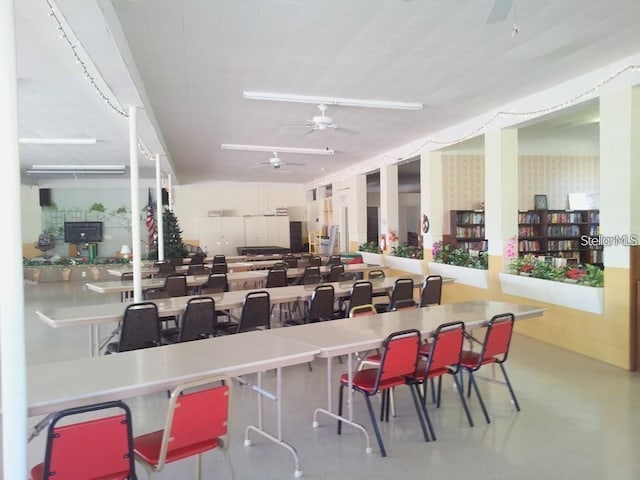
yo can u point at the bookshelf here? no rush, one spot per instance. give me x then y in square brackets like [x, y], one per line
[467, 230]
[558, 233]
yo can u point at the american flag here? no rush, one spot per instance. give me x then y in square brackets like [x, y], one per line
[150, 222]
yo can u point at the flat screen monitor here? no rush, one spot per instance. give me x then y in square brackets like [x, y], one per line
[82, 232]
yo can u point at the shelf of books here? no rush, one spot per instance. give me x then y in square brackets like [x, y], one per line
[467, 230]
[560, 234]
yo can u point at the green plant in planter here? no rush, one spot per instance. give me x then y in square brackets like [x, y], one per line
[97, 207]
[400, 251]
[458, 257]
[547, 271]
[370, 247]
[593, 278]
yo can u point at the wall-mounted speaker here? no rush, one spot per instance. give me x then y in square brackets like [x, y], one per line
[45, 197]
[165, 197]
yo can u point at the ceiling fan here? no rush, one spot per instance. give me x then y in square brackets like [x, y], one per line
[322, 122]
[275, 164]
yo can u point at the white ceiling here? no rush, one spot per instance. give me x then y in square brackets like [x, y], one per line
[188, 62]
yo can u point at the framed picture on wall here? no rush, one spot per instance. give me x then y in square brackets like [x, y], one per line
[540, 202]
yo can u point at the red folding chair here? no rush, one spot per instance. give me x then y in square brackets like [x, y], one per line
[442, 358]
[399, 360]
[95, 449]
[197, 421]
[495, 349]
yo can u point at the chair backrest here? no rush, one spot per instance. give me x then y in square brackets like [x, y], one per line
[140, 327]
[402, 290]
[399, 357]
[402, 304]
[321, 304]
[276, 277]
[497, 339]
[361, 294]
[431, 291]
[256, 311]
[126, 276]
[98, 448]
[335, 273]
[176, 261]
[198, 270]
[446, 349]
[311, 275]
[164, 268]
[347, 278]
[155, 293]
[315, 261]
[219, 259]
[334, 260]
[219, 268]
[361, 310]
[175, 285]
[197, 258]
[198, 320]
[216, 283]
[373, 274]
[200, 422]
[292, 262]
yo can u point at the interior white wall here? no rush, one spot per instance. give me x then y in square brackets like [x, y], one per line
[190, 203]
[236, 199]
[32, 222]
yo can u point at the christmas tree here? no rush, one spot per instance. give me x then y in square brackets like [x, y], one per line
[173, 246]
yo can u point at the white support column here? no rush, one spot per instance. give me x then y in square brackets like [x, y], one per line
[431, 198]
[135, 204]
[12, 337]
[160, 209]
[358, 219]
[619, 170]
[388, 200]
[501, 188]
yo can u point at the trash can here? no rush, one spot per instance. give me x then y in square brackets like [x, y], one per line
[325, 245]
[92, 252]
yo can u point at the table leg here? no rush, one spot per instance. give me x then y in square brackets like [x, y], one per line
[94, 339]
[329, 410]
[259, 428]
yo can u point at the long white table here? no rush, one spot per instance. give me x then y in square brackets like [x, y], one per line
[56, 386]
[350, 335]
[254, 276]
[94, 315]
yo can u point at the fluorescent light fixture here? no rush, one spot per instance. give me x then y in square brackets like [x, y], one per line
[77, 170]
[58, 141]
[345, 102]
[266, 148]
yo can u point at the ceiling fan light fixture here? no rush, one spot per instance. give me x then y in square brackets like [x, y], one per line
[266, 148]
[77, 170]
[344, 102]
[57, 141]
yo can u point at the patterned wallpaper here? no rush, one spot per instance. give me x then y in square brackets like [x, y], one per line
[463, 181]
[554, 176]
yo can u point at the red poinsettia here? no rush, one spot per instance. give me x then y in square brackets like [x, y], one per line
[575, 273]
[526, 268]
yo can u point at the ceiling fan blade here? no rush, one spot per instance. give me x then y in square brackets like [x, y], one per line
[298, 125]
[499, 11]
[295, 164]
[311, 130]
[348, 131]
